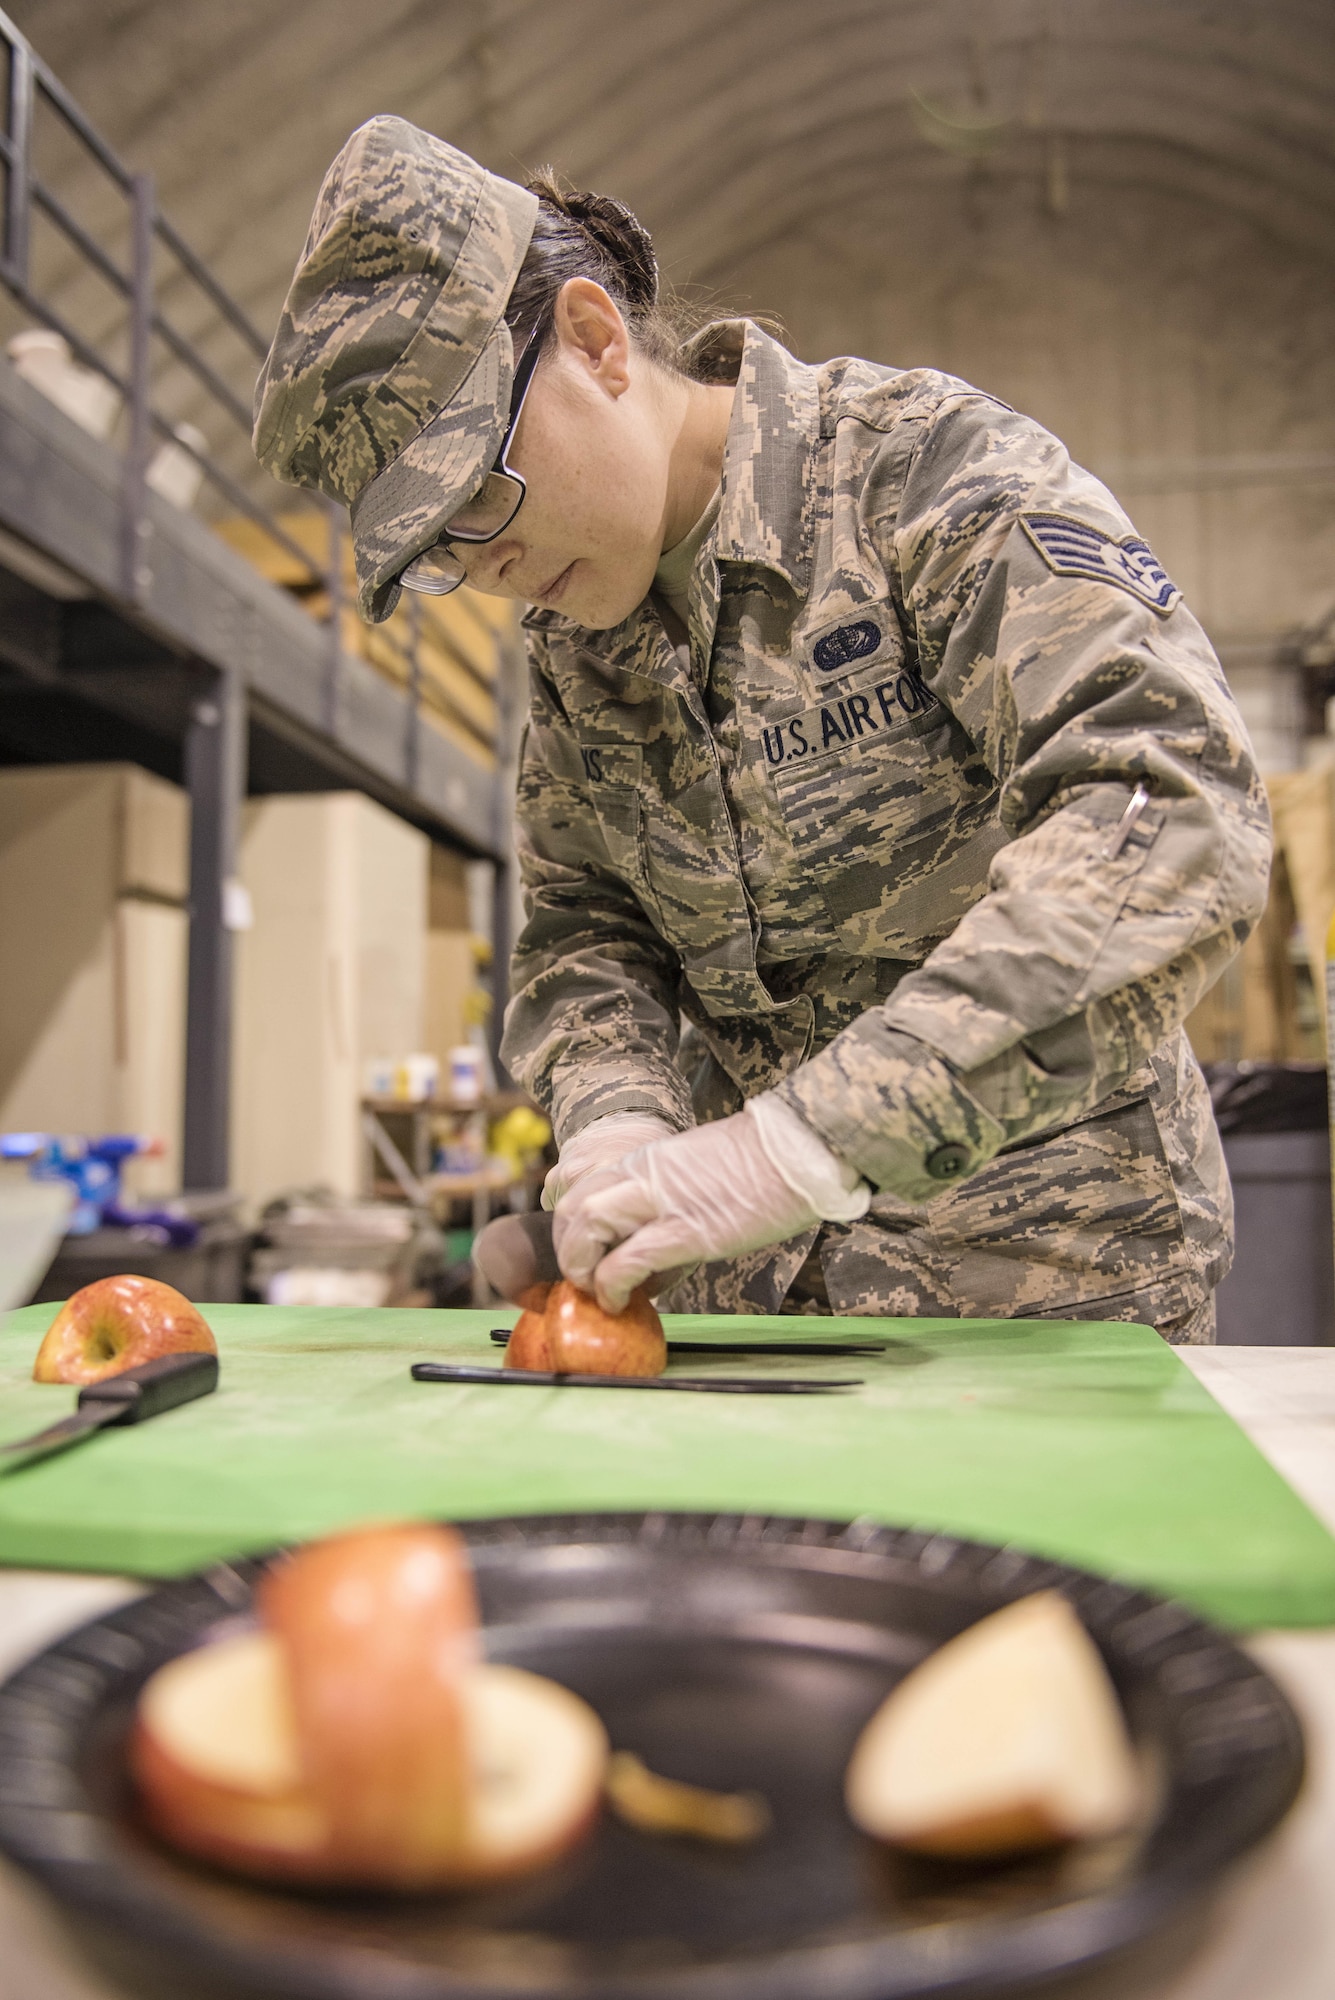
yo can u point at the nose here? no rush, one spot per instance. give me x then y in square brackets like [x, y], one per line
[485, 563]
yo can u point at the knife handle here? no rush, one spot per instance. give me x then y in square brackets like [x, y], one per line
[153, 1387]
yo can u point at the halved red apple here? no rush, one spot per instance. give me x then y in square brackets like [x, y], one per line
[119, 1323]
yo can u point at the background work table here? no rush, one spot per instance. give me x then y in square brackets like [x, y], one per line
[1274, 1935]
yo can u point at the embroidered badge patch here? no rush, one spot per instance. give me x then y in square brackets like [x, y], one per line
[1075, 548]
[854, 720]
[839, 649]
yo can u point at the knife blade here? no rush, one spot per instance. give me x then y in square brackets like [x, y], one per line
[131, 1397]
[501, 1336]
[720, 1385]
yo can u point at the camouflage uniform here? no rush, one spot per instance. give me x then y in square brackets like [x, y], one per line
[862, 843]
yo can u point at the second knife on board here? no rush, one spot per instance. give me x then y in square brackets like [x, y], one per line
[715, 1385]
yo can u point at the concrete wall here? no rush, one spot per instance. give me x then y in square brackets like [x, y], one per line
[1156, 334]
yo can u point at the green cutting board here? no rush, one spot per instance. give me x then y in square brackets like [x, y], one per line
[1087, 1442]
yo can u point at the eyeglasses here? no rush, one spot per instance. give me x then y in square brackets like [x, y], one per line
[489, 513]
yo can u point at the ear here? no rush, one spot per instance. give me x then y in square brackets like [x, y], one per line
[593, 334]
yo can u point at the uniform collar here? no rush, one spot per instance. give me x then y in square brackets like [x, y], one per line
[769, 458]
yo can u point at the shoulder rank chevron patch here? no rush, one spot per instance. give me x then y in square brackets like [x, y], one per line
[1076, 548]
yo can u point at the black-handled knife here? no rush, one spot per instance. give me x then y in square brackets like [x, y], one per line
[501, 1336]
[128, 1398]
[707, 1385]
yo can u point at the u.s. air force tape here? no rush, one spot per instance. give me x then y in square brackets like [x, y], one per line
[1077, 548]
[852, 720]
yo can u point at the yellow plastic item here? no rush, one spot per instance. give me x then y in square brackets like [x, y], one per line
[520, 1136]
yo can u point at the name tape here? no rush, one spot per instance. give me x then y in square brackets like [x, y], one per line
[853, 719]
[611, 763]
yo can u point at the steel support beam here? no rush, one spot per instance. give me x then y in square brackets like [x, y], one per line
[215, 776]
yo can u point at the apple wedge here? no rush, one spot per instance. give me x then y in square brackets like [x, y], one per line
[378, 1628]
[1010, 1737]
[215, 1756]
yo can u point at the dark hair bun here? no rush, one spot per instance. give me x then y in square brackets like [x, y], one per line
[620, 234]
[612, 231]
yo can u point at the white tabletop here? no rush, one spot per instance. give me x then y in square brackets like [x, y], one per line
[1271, 1938]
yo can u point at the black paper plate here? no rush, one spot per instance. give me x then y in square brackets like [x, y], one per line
[732, 1652]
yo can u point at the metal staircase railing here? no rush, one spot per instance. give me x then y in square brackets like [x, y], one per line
[139, 283]
[31, 87]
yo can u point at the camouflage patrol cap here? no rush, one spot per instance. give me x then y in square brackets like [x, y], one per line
[388, 382]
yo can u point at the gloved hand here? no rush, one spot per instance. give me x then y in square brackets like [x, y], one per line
[599, 1146]
[716, 1191]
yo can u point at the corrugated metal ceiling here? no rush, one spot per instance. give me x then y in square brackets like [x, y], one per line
[725, 126]
[735, 128]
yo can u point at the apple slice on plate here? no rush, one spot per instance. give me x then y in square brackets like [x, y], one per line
[215, 1756]
[1009, 1737]
[354, 1739]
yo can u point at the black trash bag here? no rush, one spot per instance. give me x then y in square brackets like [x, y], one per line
[1253, 1097]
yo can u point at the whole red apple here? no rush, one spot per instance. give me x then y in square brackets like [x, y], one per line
[117, 1323]
[572, 1335]
[529, 1346]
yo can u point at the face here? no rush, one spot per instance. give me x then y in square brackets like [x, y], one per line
[594, 446]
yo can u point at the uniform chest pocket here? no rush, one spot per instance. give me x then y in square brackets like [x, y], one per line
[896, 820]
[612, 773]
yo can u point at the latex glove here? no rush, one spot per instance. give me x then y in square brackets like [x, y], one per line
[599, 1146]
[714, 1192]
